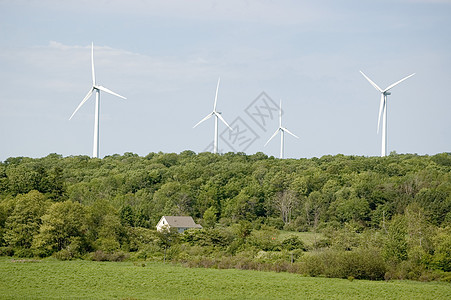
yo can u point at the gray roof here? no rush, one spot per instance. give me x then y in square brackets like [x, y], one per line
[176, 221]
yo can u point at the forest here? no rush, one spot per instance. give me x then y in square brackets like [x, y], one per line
[368, 217]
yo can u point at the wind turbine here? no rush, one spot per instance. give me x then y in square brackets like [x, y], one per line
[282, 131]
[95, 88]
[383, 109]
[217, 116]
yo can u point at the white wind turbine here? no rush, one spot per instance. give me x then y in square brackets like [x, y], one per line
[217, 115]
[282, 131]
[383, 109]
[97, 89]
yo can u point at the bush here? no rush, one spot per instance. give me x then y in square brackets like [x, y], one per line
[403, 270]
[74, 250]
[320, 244]
[6, 251]
[140, 238]
[63, 255]
[293, 242]
[274, 222]
[208, 237]
[446, 277]
[145, 252]
[360, 264]
[99, 255]
[312, 265]
[265, 239]
[24, 252]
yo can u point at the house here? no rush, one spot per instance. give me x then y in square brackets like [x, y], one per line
[181, 223]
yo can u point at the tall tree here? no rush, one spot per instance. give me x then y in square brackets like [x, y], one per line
[62, 222]
[24, 222]
[285, 201]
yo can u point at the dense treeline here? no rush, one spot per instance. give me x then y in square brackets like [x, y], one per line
[392, 214]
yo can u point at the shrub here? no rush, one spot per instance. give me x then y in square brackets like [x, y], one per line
[275, 222]
[215, 237]
[119, 256]
[63, 255]
[23, 252]
[265, 239]
[99, 255]
[6, 251]
[360, 264]
[293, 242]
[446, 277]
[320, 244]
[140, 238]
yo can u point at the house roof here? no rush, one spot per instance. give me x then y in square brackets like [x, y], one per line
[177, 221]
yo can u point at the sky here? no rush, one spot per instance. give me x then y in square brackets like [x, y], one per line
[166, 58]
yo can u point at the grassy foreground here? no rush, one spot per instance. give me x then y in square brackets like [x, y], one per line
[47, 279]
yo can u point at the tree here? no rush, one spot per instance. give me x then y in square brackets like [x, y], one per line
[22, 179]
[110, 233]
[55, 183]
[352, 209]
[395, 249]
[6, 208]
[436, 202]
[314, 207]
[209, 219]
[419, 233]
[127, 216]
[241, 207]
[166, 238]
[442, 245]
[285, 201]
[173, 198]
[62, 223]
[24, 222]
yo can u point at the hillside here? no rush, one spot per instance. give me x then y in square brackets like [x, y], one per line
[397, 206]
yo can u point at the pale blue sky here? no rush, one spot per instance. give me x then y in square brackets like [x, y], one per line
[166, 57]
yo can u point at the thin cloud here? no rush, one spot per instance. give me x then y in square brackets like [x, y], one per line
[429, 1]
[259, 11]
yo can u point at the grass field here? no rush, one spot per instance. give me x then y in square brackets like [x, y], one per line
[52, 279]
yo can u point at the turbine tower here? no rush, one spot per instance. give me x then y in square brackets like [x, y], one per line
[217, 116]
[95, 88]
[383, 109]
[282, 131]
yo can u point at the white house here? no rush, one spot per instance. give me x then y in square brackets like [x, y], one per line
[181, 223]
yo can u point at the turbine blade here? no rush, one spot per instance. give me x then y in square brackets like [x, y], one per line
[92, 65]
[398, 82]
[381, 106]
[372, 83]
[204, 119]
[83, 101]
[289, 132]
[104, 89]
[223, 121]
[275, 133]
[216, 97]
[280, 114]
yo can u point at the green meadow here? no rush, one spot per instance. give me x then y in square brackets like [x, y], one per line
[53, 279]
